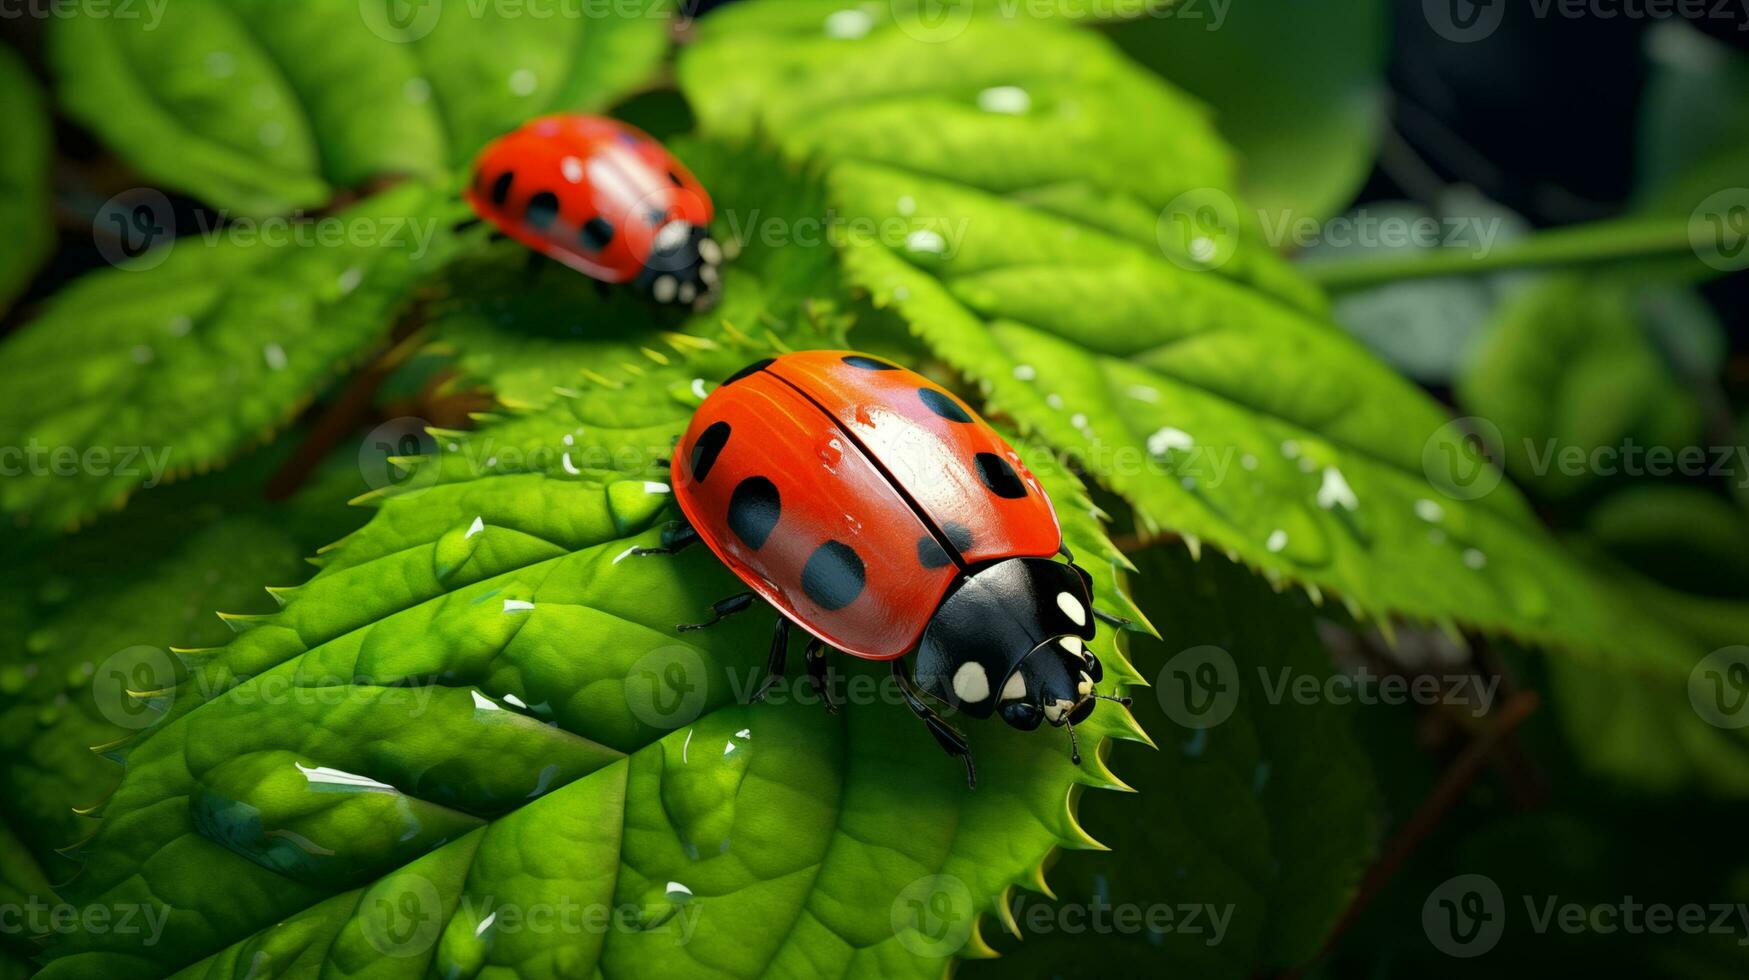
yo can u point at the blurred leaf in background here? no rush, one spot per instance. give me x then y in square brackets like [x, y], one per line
[1298, 88]
[25, 156]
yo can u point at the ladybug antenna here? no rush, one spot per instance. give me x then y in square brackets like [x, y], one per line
[1126, 702]
[1074, 743]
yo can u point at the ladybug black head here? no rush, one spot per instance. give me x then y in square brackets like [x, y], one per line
[1011, 639]
[684, 268]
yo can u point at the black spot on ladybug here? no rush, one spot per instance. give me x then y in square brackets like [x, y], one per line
[833, 576]
[675, 178]
[542, 209]
[754, 368]
[939, 403]
[958, 535]
[704, 452]
[596, 234]
[999, 476]
[501, 187]
[929, 553]
[754, 508]
[868, 363]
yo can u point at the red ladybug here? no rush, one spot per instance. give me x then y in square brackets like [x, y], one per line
[878, 512]
[604, 199]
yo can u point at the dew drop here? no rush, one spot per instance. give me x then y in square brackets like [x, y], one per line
[849, 25]
[1007, 100]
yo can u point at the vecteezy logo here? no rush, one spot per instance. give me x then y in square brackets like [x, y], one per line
[1718, 688]
[400, 21]
[135, 229]
[1464, 21]
[1461, 458]
[1465, 916]
[666, 688]
[125, 686]
[933, 21]
[402, 915]
[933, 916]
[1199, 688]
[399, 456]
[1718, 230]
[1199, 229]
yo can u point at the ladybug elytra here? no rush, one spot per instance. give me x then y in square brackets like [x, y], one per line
[605, 199]
[880, 514]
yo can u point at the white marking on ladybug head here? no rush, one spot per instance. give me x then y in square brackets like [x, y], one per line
[970, 683]
[1085, 688]
[1015, 688]
[710, 251]
[1057, 711]
[1073, 645]
[707, 274]
[688, 292]
[665, 289]
[1072, 608]
[672, 235]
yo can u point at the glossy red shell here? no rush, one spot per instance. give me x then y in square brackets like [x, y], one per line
[544, 183]
[813, 468]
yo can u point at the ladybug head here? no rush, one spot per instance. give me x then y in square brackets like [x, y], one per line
[684, 267]
[1011, 639]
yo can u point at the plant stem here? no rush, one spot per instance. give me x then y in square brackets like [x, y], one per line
[1579, 245]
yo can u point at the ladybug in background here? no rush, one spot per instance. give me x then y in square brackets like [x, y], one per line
[605, 199]
[878, 512]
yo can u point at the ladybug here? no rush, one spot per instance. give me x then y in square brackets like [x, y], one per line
[881, 515]
[605, 199]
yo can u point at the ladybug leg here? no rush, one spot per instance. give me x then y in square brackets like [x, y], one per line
[720, 610]
[774, 664]
[536, 262]
[602, 290]
[1117, 622]
[945, 734]
[675, 539]
[819, 675]
[1068, 556]
[466, 225]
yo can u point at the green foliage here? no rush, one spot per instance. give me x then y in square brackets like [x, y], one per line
[1297, 88]
[262, 107]
[132, 377]
[24, 178]
[477, 665]
[478, 715]
[1571, 367]
[1218, 405]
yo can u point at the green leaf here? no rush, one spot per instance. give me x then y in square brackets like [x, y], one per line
[480, 703]
[1041, 113]
[1218, 410]
[1298, 88]
[1663, 730]
[85, 619]
[1689, 538]
[1262, 818]
[1572, 377]
[266, 106]
[200, 349]
[25, 225]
